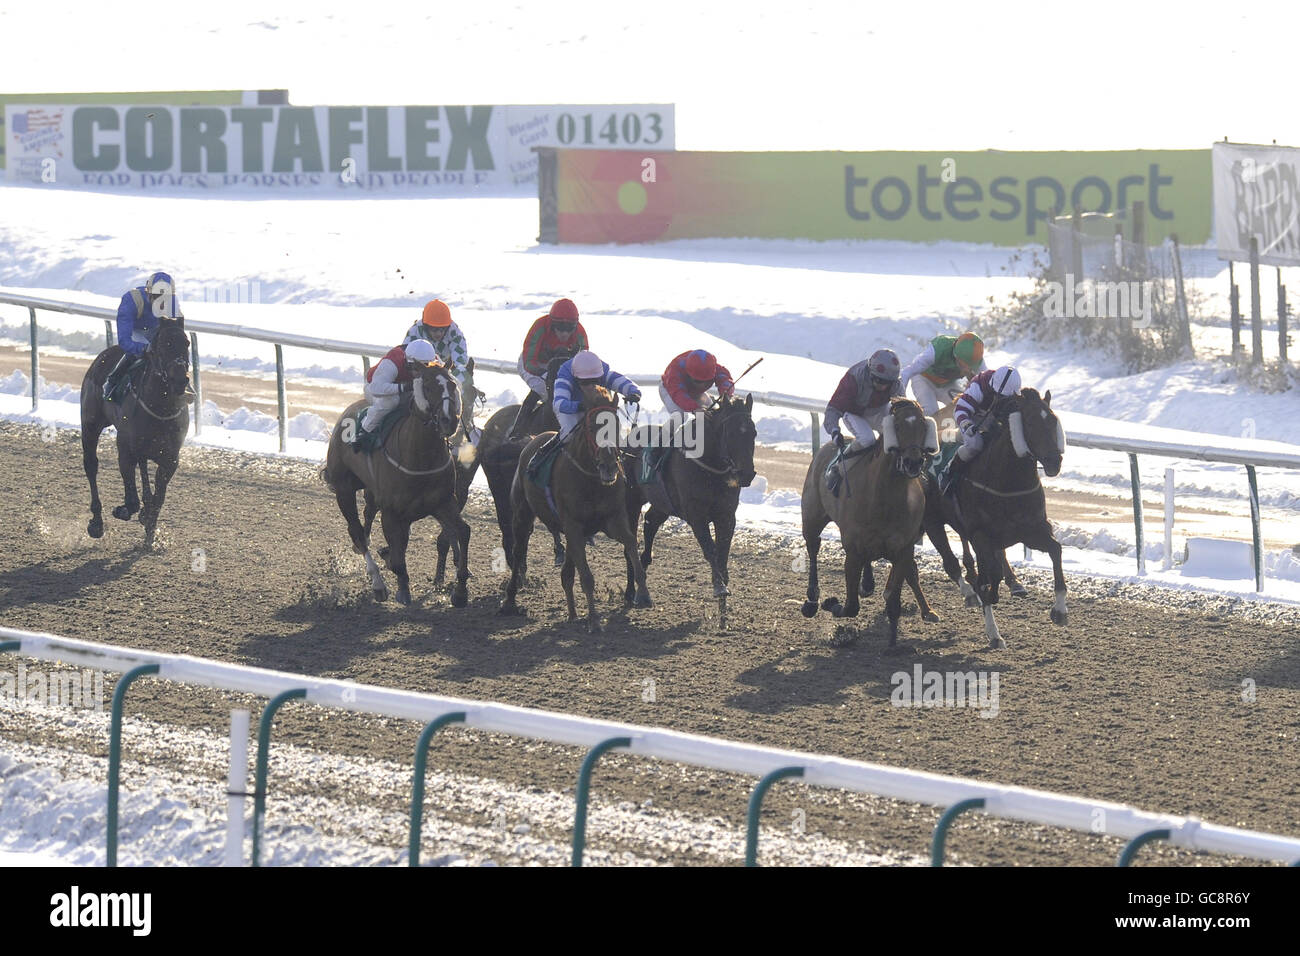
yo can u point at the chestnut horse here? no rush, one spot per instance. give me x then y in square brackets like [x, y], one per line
[587, 493]
[879, 511]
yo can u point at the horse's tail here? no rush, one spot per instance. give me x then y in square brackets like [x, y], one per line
[326, 478]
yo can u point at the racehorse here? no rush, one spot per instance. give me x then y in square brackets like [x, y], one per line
[1000, 501]
[950, 438]
[702, 489]
[411, 477]
[879, 511]
[587, 493]
[151, 421]
[499, 455]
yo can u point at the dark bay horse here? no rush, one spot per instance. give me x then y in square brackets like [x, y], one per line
[879, 511]
[151, 421]
[499, 455]
[412, 476]
[588, 494]
[1000, 501]
[701, 482]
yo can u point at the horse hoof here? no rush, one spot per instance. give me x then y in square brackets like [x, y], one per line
[1020, 591]
[509, 609]
[459, 597]
[1060, 617]
[972, 600]
[999, 644]
[123, 513]
[381, 594]
[831, 604]
[439, 580]
[931, 617]
[809, 608]
[721, 591]
[643, 602]
[864, 591]
[403, 597]
[645, 561]
[96, 528]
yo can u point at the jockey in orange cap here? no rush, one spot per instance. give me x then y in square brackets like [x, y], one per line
[437, 328]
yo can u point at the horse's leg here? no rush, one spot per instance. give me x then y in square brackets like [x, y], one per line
[126, 465]
[559, 547]
[145, 494]
[724, 529]
[456, 530]
[894, 597]
[812, 541]
[1013, 583]
[444, 545]
[623, 530]
[972, 575]
[575, 556]
[914, 582]
[347, 501]
[988, 563]
[868, 585]
[567, 571]
[521, 529]
[154, 502]
[500, 489]
[1042, 540]
[654, 520]
[938, 535]
[397, 532]
[854, 560]
[90, 431]
[704, 535]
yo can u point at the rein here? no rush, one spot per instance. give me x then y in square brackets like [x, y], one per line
[414, 472]
[150, 373]
[587, 433]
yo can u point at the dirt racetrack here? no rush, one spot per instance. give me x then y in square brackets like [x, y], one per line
[1139, 700]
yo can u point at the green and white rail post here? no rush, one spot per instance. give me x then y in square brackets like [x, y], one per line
[115, 753]
[1254, 527]
[756, 809]
[940, 838]
[1138, 842]
[584, 789]
[1137, 511]
[36, 364]
[198, 383]
[263, 748]
[281, 411]
[417, 788]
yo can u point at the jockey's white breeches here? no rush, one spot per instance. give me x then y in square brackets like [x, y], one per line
[864, 436]
[380, 405]
[933, 397]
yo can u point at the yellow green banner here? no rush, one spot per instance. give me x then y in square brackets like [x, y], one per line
[996, 197]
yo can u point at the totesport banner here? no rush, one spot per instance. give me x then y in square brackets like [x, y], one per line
[337, 148]
[989, 197]
[1255, 196]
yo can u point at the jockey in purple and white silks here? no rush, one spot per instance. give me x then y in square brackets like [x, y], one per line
[584, 368]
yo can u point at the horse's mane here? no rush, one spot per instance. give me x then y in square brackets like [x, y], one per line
[1031, 393]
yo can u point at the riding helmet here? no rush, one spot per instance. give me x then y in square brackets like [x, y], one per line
[968, 351]
[884, 366]
[587, 365]
[701, 366]
[421, 351]
[436, 314]
[1006, 381]
[564, 310]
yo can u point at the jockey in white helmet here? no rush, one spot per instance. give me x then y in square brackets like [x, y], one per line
[983, 392]
[391, 376]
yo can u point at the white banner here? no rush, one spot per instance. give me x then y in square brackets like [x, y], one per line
[444, 149]
[1256, 196]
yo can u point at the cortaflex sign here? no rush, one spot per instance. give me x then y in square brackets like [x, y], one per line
[440, 148]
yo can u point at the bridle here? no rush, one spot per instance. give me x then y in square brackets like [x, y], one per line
[154, 369]
[427, 419]
[590, 428]
[727, 416]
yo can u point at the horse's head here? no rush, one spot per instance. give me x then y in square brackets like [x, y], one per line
[169, 355]
[909, 436]
[437, 397]
[1035, 430]
[600, 429]
[729, 427]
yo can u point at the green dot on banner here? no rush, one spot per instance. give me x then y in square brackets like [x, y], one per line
[632, 197]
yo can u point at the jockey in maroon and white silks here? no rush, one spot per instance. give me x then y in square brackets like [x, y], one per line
[862, 399]
[392, 375]
[980, 396]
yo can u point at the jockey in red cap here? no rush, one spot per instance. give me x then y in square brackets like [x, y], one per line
[688, 377]
[558, 332]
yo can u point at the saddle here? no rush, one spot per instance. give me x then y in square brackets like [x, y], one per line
[542, 464]
[115, 384]
[366, 442]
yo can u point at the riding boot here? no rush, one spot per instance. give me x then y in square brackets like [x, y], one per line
[115, 376]
[522, 419]
[542, 453]
[951, 477]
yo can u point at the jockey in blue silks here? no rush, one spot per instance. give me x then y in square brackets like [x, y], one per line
[137, 324]
[583, 368]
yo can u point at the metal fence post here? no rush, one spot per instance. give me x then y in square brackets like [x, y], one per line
[756, 808]
[1137, 511]
[1168, 561]
[280, 410]
[816, 433]
[365, 368]
[584, 786]
[1254, 527]
[1256, 315]
[108, 334]
[417, 788]
[198, 383]
[263, 746]
[115, 754]
[1137, 843]
[941, 828]
[36, 365]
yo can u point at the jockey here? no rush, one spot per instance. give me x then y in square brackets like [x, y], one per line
[437, 328]
[974, 406]
[688, 377]
[862, 399]
[935, 374]
[390, 377]
[138, 315]
[585, 368]
[557, 332]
